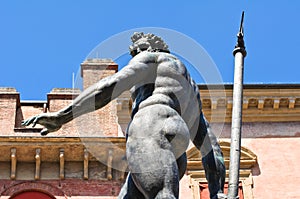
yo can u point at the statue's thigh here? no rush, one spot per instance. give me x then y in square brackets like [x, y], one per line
[129, 190]
[161, 173]
[153, 168]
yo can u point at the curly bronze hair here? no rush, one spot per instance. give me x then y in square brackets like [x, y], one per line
[147, 42]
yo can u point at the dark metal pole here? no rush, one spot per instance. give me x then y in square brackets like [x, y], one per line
[235, 148]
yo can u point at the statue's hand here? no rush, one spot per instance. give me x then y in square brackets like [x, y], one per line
[49, 120]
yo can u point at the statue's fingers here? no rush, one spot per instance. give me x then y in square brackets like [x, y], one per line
[44, 132]
[23, 123]
[35, 121]
[27, 122]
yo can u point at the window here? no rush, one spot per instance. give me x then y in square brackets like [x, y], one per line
[31, 195]
[204, 193]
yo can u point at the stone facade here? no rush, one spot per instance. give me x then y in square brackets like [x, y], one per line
[85, 158]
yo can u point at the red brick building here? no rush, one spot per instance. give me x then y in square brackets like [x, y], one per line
[84, 159]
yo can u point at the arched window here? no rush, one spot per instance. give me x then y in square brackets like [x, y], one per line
[31, 195]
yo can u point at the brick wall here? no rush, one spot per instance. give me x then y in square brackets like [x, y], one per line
[102, 122]
[67, 188]
[9, 101]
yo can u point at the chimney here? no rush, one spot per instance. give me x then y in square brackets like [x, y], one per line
[9, 103]
[102, 122]
[93, 70]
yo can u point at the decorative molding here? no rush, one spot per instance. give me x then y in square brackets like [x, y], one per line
[196, 170]
[214, 104]
[247, 187]
[21, 186]
[63, 150]
[194, 185]
[37, 164]
[196, 173]
[292, 103]
[261, 103]
[61, 164]
[276, 103]
[86, 165]
[109, 164]
[13, 163]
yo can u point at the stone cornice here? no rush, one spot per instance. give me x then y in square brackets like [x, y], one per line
[59, 151]
[73, 147]
[262, 102]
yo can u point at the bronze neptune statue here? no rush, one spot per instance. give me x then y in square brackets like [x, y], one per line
[166, 115]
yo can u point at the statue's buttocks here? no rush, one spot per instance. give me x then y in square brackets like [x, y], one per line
[161, 124]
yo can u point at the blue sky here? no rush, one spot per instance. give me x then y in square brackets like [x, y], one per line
[42, 43]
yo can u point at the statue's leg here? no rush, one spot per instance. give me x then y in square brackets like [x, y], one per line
[129, 190]
[154, 171]
[181, 164]
[150, 152]
[212, 158]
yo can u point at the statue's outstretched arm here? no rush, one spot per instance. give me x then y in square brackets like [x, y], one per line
[94, 97]
[104, 91]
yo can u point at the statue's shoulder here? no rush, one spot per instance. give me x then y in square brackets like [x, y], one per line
[154, 57]
[145, 57]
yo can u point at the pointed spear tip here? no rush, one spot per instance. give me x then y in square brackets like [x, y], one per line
[240, 46]
[241, 31]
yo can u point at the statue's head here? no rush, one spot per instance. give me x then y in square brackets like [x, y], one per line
[147, 42]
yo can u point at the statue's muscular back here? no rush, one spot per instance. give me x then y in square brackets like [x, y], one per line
[168, 83]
